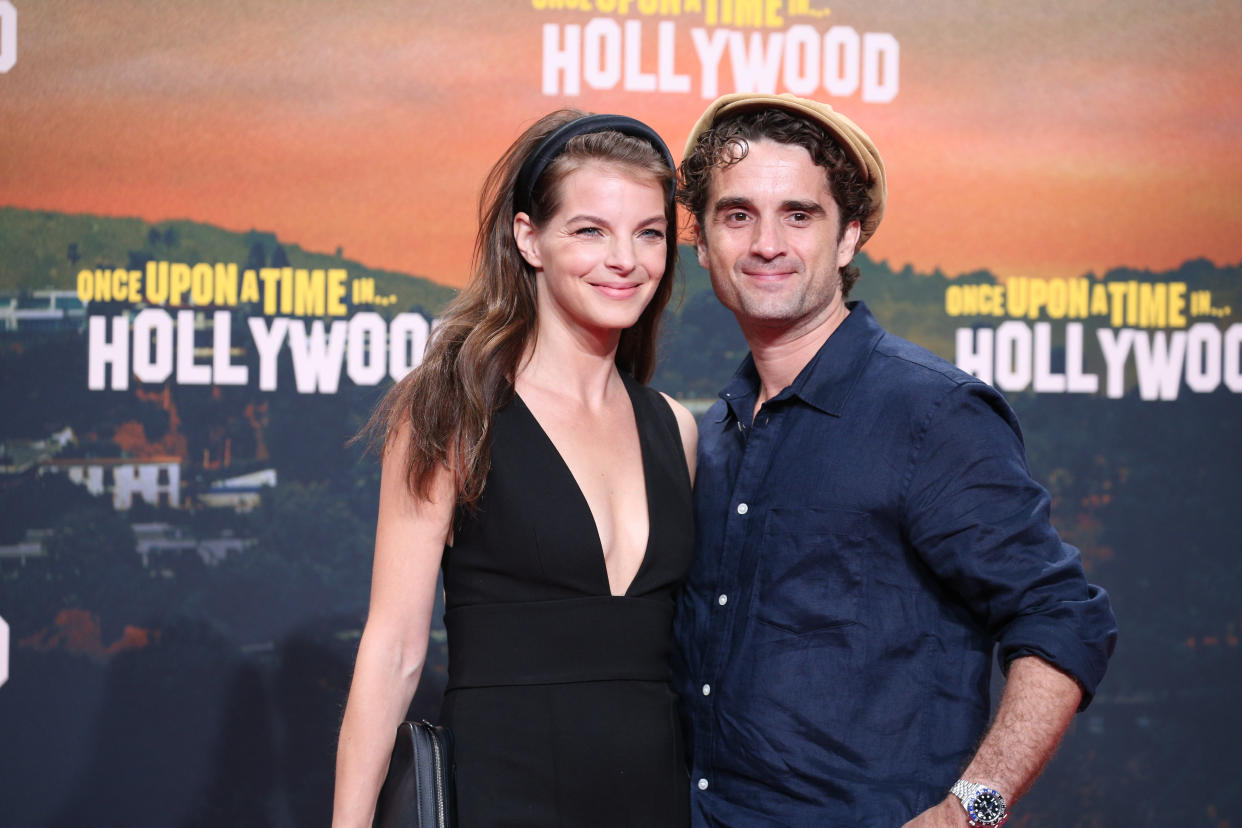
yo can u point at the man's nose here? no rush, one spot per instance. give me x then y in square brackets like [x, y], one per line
[768, 241]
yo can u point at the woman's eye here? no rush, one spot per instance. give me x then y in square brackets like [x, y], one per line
[653, 233]
[587, 231]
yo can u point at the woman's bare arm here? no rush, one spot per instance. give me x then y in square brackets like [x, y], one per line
[409, 541]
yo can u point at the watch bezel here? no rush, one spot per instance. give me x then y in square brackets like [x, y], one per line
[992, 793]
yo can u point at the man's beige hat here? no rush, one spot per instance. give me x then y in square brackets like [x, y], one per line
[851, 138]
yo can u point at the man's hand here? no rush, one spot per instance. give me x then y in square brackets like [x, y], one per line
[948, 814]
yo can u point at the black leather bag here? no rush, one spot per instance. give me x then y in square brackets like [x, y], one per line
[418, 790]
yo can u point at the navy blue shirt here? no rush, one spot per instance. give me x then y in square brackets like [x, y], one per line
[863, 545]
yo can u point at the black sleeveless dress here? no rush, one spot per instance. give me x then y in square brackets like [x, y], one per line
[559, 694]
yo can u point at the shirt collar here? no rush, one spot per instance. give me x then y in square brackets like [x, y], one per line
[826, 381]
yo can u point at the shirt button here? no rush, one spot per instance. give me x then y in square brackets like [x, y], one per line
[702, 784]
[723, 599]
[742, 508]
[707, 689]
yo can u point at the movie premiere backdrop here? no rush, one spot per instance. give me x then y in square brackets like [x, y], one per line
[226, 227]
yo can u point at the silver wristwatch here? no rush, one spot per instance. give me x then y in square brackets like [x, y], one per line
[984, 805]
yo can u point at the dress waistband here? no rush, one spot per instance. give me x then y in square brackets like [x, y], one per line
[555, 642]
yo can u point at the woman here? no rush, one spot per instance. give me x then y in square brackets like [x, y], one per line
[526, 457]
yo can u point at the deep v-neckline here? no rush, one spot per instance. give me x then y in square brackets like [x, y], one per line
[601, 561]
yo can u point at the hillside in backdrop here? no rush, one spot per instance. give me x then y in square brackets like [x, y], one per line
[47, 249]
[700, 346]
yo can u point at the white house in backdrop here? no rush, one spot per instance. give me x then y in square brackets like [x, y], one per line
[157, 480]
[241, 493]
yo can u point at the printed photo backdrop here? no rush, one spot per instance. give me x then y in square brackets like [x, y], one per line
[225, 227]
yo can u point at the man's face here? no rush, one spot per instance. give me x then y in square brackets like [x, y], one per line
[769, 238]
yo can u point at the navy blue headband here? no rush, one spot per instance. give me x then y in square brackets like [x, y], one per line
[554, 145]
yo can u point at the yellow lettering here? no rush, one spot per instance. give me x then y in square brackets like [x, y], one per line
[86, 287]
[336, 291]
[1117, 297]
[157, 282]
[200, 291]
[179, 281]
[1153, 300]
[1039, 297]
[120, 280]
[250, 287]
[953, 301]
[1079, 291]
[1177, 304]
[271, 284]
[310, 295]
[1099, 299]
[226, 284]
[1058, 298]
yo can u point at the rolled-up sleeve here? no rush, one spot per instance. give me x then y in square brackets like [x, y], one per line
[981, 524]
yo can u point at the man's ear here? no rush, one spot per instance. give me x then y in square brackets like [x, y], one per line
[527, 240]
[700, 244]
[848, 245]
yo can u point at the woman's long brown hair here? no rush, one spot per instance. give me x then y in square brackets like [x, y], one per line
[473, 355]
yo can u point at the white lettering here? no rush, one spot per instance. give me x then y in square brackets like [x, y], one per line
[1116, 346]
[1159, 358]
[670, 81]
[601, 63]
[317, 356]
[841, 60]
[1046, 382]
[1203, 352]
[8, 39]
[101, 353]
[1013, 356]
[802, 67]
[223, 371]
[267, 342]
[975, 361]
[407, 340]
[558, 62]
[710, 51]
[1233, 358]
[880, 67]
[189, 372]
[636, 80]
[1076, 381]
[153, 346]
[367, 363]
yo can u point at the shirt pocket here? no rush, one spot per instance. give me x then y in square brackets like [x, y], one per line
[811, 574]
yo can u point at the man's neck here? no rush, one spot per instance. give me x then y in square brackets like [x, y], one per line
[780, 354]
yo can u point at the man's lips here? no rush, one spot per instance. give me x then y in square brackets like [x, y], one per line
[766, 275]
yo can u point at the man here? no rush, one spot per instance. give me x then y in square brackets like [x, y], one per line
[868, 531]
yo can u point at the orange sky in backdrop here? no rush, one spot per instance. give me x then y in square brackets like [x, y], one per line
[1042, 139]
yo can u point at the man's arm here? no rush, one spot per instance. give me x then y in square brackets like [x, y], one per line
[1035, 710]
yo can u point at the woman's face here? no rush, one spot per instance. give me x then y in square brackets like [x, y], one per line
[600, 257]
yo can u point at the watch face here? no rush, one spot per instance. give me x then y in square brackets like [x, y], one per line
[987, 808]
